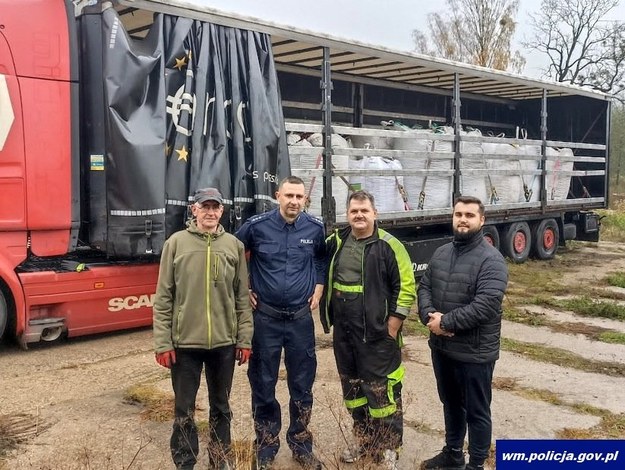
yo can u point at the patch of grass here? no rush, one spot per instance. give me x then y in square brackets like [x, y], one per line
[525, 317]
[535, 276]
[563, 358]
[602, 294]
[587, 306]
[613, 224]
[505, 383]
[158, 405]
[413, 327]
[616, 279]
[614, 337]
[611, 427]
[15, 429]
[595, 333]
[510, 384]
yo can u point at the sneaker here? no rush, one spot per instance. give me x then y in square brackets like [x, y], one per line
[309, 461]
[352, 454]
[389, 459]
[447, 459]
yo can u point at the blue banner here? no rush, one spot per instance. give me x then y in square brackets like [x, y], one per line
[561, 454]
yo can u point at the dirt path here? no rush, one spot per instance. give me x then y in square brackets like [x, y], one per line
[74, 391]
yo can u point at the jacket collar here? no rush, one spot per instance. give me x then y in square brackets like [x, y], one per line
[470, 242]
[278, 219]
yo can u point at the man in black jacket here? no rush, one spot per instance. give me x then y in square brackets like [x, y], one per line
[460, 298]
[371, 289]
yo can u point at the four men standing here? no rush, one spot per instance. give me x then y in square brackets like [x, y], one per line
[203, 320]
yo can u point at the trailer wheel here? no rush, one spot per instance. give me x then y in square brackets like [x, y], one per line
[4, 314]
[545, 239]
[517, 241]
[491, 235]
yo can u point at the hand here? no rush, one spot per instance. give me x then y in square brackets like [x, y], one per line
[167, 358]
[253, 299]
[394, 324]
[435, 324]
[242, 355]
[314, 299]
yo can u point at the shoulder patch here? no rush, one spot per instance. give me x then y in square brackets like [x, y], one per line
[312, 218]
[259, 217]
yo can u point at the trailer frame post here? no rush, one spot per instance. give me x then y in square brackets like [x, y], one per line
[457, 124]
[543, 151]
[328, 205]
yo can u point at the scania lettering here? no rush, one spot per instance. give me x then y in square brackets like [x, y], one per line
[131, 302]
[112, 113]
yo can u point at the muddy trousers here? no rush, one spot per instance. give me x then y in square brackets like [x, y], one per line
[371, 376]
[296, 335]
[186, 373]
[465, 389]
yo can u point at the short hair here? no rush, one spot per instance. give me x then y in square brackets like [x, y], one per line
[291, 180]
[361, 195]
[470, 200]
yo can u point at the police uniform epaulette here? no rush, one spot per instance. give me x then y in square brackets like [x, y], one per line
[312, 218]
[259, 217]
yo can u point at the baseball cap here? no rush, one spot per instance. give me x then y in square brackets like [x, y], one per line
[208, 194]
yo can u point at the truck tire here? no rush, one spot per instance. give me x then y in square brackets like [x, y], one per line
[545, 239]
[4, 314]
[491, 235]
[517, 242]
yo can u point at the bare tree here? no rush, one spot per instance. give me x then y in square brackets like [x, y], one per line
[583, 48]
[474, 31]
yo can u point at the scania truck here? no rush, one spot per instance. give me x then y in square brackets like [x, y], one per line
[112, 113]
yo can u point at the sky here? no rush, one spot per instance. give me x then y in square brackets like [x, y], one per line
[387, 23]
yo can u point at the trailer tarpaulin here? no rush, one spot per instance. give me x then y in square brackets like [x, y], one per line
[192, 105]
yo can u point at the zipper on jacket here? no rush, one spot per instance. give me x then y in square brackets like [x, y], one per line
[362, 282]
[208, 290]
[216, 276]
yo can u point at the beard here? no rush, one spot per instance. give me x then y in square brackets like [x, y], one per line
[465, 235]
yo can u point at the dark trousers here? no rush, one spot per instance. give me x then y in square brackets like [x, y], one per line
[297, 337]
[371, 378]
[465, 389]
[186, 373]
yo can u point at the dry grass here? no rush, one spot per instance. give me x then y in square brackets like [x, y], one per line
[158, 405]
[611, 426]
[17, 428]
[562, 358]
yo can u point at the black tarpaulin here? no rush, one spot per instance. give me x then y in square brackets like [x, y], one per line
[192, 105]
[134, 92]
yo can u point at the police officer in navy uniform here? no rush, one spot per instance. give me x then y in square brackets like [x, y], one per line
[287, 271]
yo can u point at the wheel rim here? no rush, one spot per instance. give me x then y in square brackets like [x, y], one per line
[489, 239]
[520, 242]
[549, 239]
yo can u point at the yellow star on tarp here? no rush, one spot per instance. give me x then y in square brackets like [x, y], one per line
[180, 63]
[182, 153]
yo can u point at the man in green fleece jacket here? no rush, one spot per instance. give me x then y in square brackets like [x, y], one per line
[202, 320]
